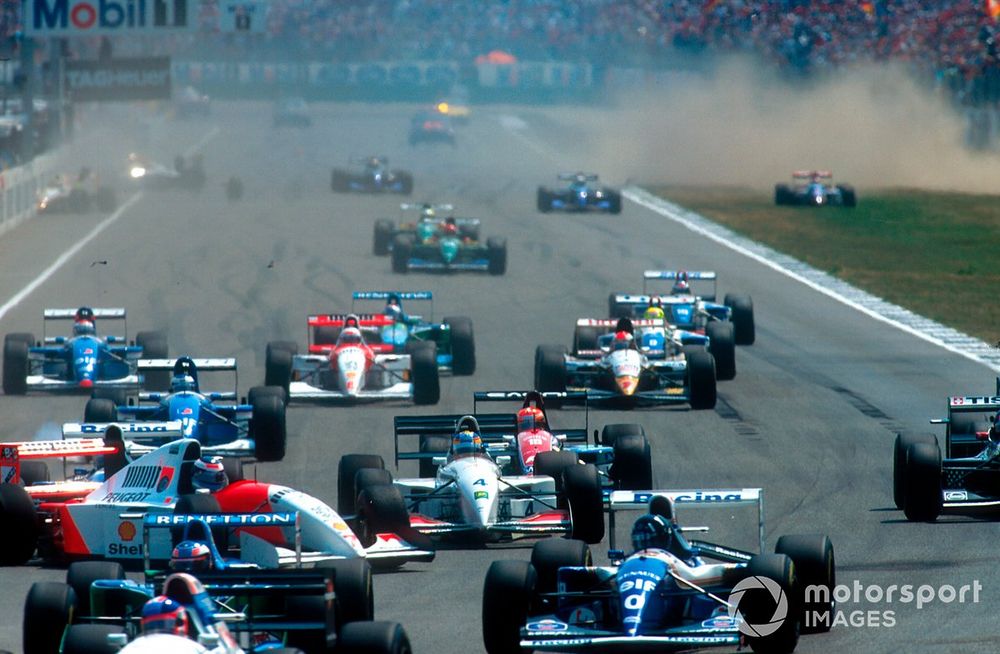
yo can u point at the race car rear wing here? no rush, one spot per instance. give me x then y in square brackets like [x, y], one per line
[338, 319]
[409, 296]
[611, 323]
[560, 398]
[11, 454]
[492, 427]
[200, 365]
[807, 174]
[692, 275]
[103, 313]
[619, 500]
[565, 177]
[167, 430]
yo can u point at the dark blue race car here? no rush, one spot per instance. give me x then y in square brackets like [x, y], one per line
[82, 361]
[811, 189]
[375, 176]
[582, 194]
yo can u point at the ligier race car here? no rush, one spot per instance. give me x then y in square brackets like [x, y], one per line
[810, 189]
[185, 174]
[374, 177]
[428, 226]
[690, 304]
[431, 127]
[78, 193]
[618, 372]
[966, 481]
[470, 497]
[581, 194]
[82, 361]
[393, 331]
[669, 595]
[445, 248]
[253, 428]
[100, 514]
[341, 366]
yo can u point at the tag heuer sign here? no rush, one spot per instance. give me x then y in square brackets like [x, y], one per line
[108, 17]
[117, 80]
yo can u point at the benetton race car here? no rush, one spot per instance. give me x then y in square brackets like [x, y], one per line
[82, 361]
[433, 221]
[810, 189]
[375, 176]
[431, 127]
[581, 194]
[341, 366]
[394, 330]
[255, 427]
[471, 497]
[78, 193]
[690, 304]
[617, 371]
[445, 247]
[186, 173]
[101, 514]
[966, 481]
[668, 595]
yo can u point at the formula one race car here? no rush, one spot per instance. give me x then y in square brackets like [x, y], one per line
[83, 361]
[668, 595]
[78, 193]
[341, 366]
[431, 127]
[447, 250]
[374, 177]
[255, 427]
[810, 189]
[618, 372]
[471, 497]
[428, 226]
[186, 173]
[966, 481]
[690, 305]
[581, 194]
[292, 112]
[100, 514]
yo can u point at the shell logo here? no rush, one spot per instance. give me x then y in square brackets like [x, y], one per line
[126, 531]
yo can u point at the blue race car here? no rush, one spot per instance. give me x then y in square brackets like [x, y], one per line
[83, 361]
[255, 427]
[811, 190]
[374, 177]
[582, 194]
[670, 594]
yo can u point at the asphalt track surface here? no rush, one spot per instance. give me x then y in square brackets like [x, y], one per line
[810, 416]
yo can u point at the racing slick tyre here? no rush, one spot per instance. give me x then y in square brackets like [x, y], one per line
[496, 252]
[815, 565]
[33, 472]
[960, 424]
[548, 555]
[48, 610]
[611, 433]
[353, 582]
[154, 346]
[922, 483]
[374, 638]
[463, 345]
[701, 379]
[437, 445]
[614, 201]
[618, 309]
[585, 499]
[550, 368]
[742, 316]
[82, 574]
[899, 448]
[100, 410]
[277, 365]
[585, 338]
[15, 364]
[315, 609]
[782, 194]
[405, 182]
[381, 509]
[257, 392]
[17, 515]
[508, 593]
[552, 464]
[722, 345]
[544, 200]
[402, 248]
[105, 200]
[424, 373]
[78, 201]
[267, 428]
[371, 477]
[117, 395]
[761, 608]
[382, 237]
[347, 470]
[340, 182]
[847, 195]
[90, 639]
[633, 465]
[326, 335]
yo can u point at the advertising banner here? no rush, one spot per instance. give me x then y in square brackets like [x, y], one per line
[118, 80]
[65, 18]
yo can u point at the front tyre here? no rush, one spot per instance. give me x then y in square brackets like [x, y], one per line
[508, 593]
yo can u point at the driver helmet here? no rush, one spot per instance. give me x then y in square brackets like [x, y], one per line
[210, 474]
[84, 327]
[191, 556]
[652, 532]
[466, 442]
[393, 307]
[350, 336]
[449, 227]
[530, 418]
[162, 615]
[681, 284]
[623, 341]
[183, 382]
[654, 313]
[428, 212]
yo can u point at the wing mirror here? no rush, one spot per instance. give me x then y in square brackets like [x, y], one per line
[503, 460]
[439, 460]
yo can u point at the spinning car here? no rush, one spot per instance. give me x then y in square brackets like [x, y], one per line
[427, 227]
[431, 127]
[187, 173]
[78, 193]
[581, 194]
[448, 248]
[811, 189]
[690, 309]
[341, 366]
[374, 177]
[255, 427]
[83, 361]
[668, 595]
[471, 497]
[617, 371]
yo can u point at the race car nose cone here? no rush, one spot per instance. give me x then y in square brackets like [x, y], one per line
[86, 383]
[627, 384]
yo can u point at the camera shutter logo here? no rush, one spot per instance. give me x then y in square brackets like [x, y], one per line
[780, 608]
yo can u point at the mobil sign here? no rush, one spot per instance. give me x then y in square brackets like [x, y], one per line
[108, 17]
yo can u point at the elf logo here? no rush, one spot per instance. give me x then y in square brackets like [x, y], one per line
[106, 16]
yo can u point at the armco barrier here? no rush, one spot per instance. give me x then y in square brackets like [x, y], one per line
[19, 190]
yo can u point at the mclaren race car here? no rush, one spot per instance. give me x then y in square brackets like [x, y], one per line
[581, 194]
[375, 176]
[810, 188]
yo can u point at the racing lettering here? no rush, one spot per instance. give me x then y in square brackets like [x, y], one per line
[479, 482]
[121, 549]
[125, 497]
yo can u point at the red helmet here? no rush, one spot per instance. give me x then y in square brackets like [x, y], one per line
[530, 418]
[450, 228]
[623, 340]
[162, 615]
[681, 285]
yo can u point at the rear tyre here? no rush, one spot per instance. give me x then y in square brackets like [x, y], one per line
[742, 316]
[614, 201]
[585, 338]
[117, 395]
[899, 448]
[374, 638]
[548, 555]
[382, 510]
[267, 428]
[347, 470]
[258, 392]
[722, 345]
[496, 251]
[508, 593]
[550, 368]
[544, 200]
[436, 445]
[90, 639]
[424, 373]
[368, 477]
[611, 433]
[618, 309]
[100, 410]
[353, 583]
[17, 515]
[33, 472]
[15, 364]
[278, 365]
[582, 485]
[383, 237]
[48, 611]
[553, 463]
[81, 576]
[815, 566]
[848, 195]
[759, 607]
[922, 483]
[701, 380]
[402, 249]
[782, 194]
[633, 465]
[154, 346]
[463, 345]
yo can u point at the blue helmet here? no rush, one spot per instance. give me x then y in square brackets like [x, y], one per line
[183, 382]
[652, 532]
[466, 442]
[191, 556]
[162, 615]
